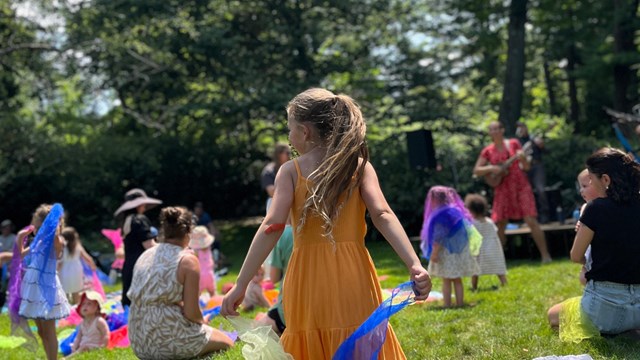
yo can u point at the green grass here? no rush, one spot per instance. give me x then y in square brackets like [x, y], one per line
[507, 323]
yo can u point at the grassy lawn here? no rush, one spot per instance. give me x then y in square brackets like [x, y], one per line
[507, 323]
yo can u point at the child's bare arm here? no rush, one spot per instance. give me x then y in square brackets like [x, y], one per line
[87, 258]
[5, 257]
[435, 253]
[275, 274]
[103, 328]
[76, 342]
[582, 276]
[20, 239]
[388, 224]
[58, 245]
[263, 242]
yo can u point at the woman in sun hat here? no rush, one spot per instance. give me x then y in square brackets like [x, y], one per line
[201, 242]
[93, 332]
[136, 233]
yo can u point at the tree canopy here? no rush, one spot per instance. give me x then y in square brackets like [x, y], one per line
[186, 98]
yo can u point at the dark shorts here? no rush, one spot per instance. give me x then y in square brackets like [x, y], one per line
[273, 314]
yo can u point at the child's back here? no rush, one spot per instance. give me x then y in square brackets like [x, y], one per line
[331, 282]
[337, 281]
[207, 278]
[71, 272]
[491, 257]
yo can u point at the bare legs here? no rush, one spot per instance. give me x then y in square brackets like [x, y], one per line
[266, 320]
[446, 291]
[474, 281]
[554, 315]
[75, 298]
[502, 226]
[536, 233]
[47, 332]
[538, 238]
[217, 342]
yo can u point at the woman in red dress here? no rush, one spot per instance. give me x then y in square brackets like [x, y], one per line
[513, 198]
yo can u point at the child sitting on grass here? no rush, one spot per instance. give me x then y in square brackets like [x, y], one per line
[93, 332]
[254, 296]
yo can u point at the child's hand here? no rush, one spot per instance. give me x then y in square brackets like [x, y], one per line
[583, 276]
[422, 281]
[435, 257]
[26, 231]
[231, 301]
[578, 225]
[206, 319]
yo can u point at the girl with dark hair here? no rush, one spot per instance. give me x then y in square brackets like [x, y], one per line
[611, 225]
[165, 321]
[70, 266]
[491, 257]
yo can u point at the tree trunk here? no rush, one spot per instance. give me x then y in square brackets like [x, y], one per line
[551, 94]
[574, 106]
[625, 78]
[511, 103]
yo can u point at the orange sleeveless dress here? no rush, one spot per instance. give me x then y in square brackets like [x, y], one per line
[330, 290]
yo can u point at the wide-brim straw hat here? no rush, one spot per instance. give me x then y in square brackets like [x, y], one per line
[200, 238]
[134, 198]
[91, 295]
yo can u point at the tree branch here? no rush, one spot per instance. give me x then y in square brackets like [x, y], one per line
[26, 46]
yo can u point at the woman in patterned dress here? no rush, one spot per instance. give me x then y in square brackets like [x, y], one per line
[513, 198]
[165, 321]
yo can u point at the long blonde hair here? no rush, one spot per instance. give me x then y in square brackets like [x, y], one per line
[341, 126]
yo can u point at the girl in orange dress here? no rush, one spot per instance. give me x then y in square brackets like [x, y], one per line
[331, 283]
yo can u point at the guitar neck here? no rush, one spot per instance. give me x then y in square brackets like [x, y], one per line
[526, 148]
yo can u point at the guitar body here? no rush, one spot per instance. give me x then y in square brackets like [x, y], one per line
[494, 180]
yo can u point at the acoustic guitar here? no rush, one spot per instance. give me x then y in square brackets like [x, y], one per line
[494, 180]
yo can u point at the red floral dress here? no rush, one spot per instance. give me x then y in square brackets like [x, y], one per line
[513, 198]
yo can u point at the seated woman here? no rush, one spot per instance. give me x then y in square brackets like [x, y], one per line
[611, 225]
[165, 321]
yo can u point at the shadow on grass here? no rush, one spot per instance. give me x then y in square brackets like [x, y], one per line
[465, 306]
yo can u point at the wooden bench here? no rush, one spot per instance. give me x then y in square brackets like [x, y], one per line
[551, 227]
[559, 240]
[524, 230]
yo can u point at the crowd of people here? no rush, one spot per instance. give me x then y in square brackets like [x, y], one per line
[313, 233]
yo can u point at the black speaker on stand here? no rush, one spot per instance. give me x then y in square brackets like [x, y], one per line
[422, 155]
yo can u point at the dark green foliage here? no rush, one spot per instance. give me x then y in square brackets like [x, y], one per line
[186, 98]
